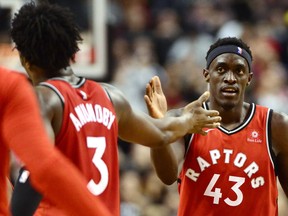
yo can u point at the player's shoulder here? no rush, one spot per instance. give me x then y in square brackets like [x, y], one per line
[117, 97]
[6, 72]
[279, 117]
[12, 78]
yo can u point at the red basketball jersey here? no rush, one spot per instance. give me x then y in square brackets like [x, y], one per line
[88, 137]
[230, 172]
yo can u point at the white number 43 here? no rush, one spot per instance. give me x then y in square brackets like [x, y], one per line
[216, 194]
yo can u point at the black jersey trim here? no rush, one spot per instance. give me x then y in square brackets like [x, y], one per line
[107, 93]
[77, 85]
[53, 88]
[272, 154]
[249, 116]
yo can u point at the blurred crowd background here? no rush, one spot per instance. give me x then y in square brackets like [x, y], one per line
[170, 38]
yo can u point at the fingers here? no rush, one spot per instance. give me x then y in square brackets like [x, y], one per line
[154, 85]
[147, 100]
[148, 104]
[148, 91]
[211, 112]
[214, 119]
[204, 97]
[204, 133]
[157, 84]
[212, 125]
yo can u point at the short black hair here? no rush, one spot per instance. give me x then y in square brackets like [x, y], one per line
[46, 35]
[230, 41]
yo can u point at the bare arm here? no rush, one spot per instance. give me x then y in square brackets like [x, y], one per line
[138, 127]
[51, 110]
[164, 159]
[279, 130]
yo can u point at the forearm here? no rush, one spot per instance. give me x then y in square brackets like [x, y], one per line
[173, 128]
[165, 164]
[141, 128]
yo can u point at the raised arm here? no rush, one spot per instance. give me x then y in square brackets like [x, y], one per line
[138, 127]
[164, 160]
[279, 130]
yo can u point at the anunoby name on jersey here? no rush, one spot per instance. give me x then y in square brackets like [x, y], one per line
[85, 113]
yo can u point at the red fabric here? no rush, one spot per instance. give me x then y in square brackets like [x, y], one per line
[224, 158]
[89, 129]
[23, 132]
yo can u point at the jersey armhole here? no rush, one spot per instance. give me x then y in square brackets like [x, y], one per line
[107, 93]
[57, 92]
[269, 139]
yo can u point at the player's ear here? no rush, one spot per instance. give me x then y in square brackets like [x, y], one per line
[206, 74]
[249, 78]
[24, 62]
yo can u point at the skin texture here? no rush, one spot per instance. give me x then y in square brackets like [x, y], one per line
[227, 78]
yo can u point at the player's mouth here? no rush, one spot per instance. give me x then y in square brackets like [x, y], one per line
[229, 91]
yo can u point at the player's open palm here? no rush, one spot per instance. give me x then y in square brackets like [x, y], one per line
[155, 99]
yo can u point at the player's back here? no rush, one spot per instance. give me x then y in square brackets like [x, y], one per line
[88, 137]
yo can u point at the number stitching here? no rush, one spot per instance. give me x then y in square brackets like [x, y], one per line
[216, 194]
[99, 143]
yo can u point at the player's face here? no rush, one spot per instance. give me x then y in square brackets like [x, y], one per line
[228, 76]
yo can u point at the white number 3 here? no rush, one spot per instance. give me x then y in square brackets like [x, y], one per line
[216, 194]
[99, 143]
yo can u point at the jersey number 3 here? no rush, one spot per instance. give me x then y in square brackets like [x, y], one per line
[99, 144]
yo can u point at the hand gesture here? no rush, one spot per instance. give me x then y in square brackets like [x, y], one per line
[202, 118]
[155, 99]
[157, 106]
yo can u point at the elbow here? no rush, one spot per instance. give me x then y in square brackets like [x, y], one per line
[169, 181]
[167, 177]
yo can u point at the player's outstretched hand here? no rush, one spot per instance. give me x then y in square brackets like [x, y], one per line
[202, 119]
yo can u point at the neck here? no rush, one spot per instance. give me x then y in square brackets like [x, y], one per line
[39, 75]
[231, 116]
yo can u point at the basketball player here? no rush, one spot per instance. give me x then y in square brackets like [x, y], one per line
[82, 116]
[22, 132]
[233, 169]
